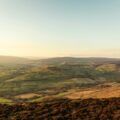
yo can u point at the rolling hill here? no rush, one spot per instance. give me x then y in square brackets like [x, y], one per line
[75, 60]
[33, 80]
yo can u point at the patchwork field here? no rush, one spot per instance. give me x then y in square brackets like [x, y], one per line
[25, 80]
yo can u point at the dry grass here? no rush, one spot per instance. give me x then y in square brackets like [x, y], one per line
[27, 96]
[101, 91]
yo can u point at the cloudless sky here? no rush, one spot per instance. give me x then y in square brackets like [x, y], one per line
[50, 28]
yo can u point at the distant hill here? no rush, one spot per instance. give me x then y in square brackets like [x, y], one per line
[13, 60]
[57, 60]
[75, 60]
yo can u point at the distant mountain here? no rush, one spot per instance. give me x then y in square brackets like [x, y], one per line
[13, 60]
[75, 60]
[57, 60]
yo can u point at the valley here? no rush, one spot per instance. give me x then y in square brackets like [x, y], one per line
[37, 80]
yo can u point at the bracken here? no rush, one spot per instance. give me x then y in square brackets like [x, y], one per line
[63, 109]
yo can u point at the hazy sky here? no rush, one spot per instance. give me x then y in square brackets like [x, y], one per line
[49, 28]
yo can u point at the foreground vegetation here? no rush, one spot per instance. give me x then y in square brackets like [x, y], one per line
[63, 109]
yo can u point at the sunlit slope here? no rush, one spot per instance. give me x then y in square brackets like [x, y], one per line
[107, 90]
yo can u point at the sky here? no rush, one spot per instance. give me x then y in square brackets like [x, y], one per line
[57, 28]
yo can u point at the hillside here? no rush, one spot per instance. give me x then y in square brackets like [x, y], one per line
[63, 109]
[40, 79]
[75, 60]
[106, 90]
[60, 89]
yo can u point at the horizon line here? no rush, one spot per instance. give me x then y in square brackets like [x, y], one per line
[42, 57]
